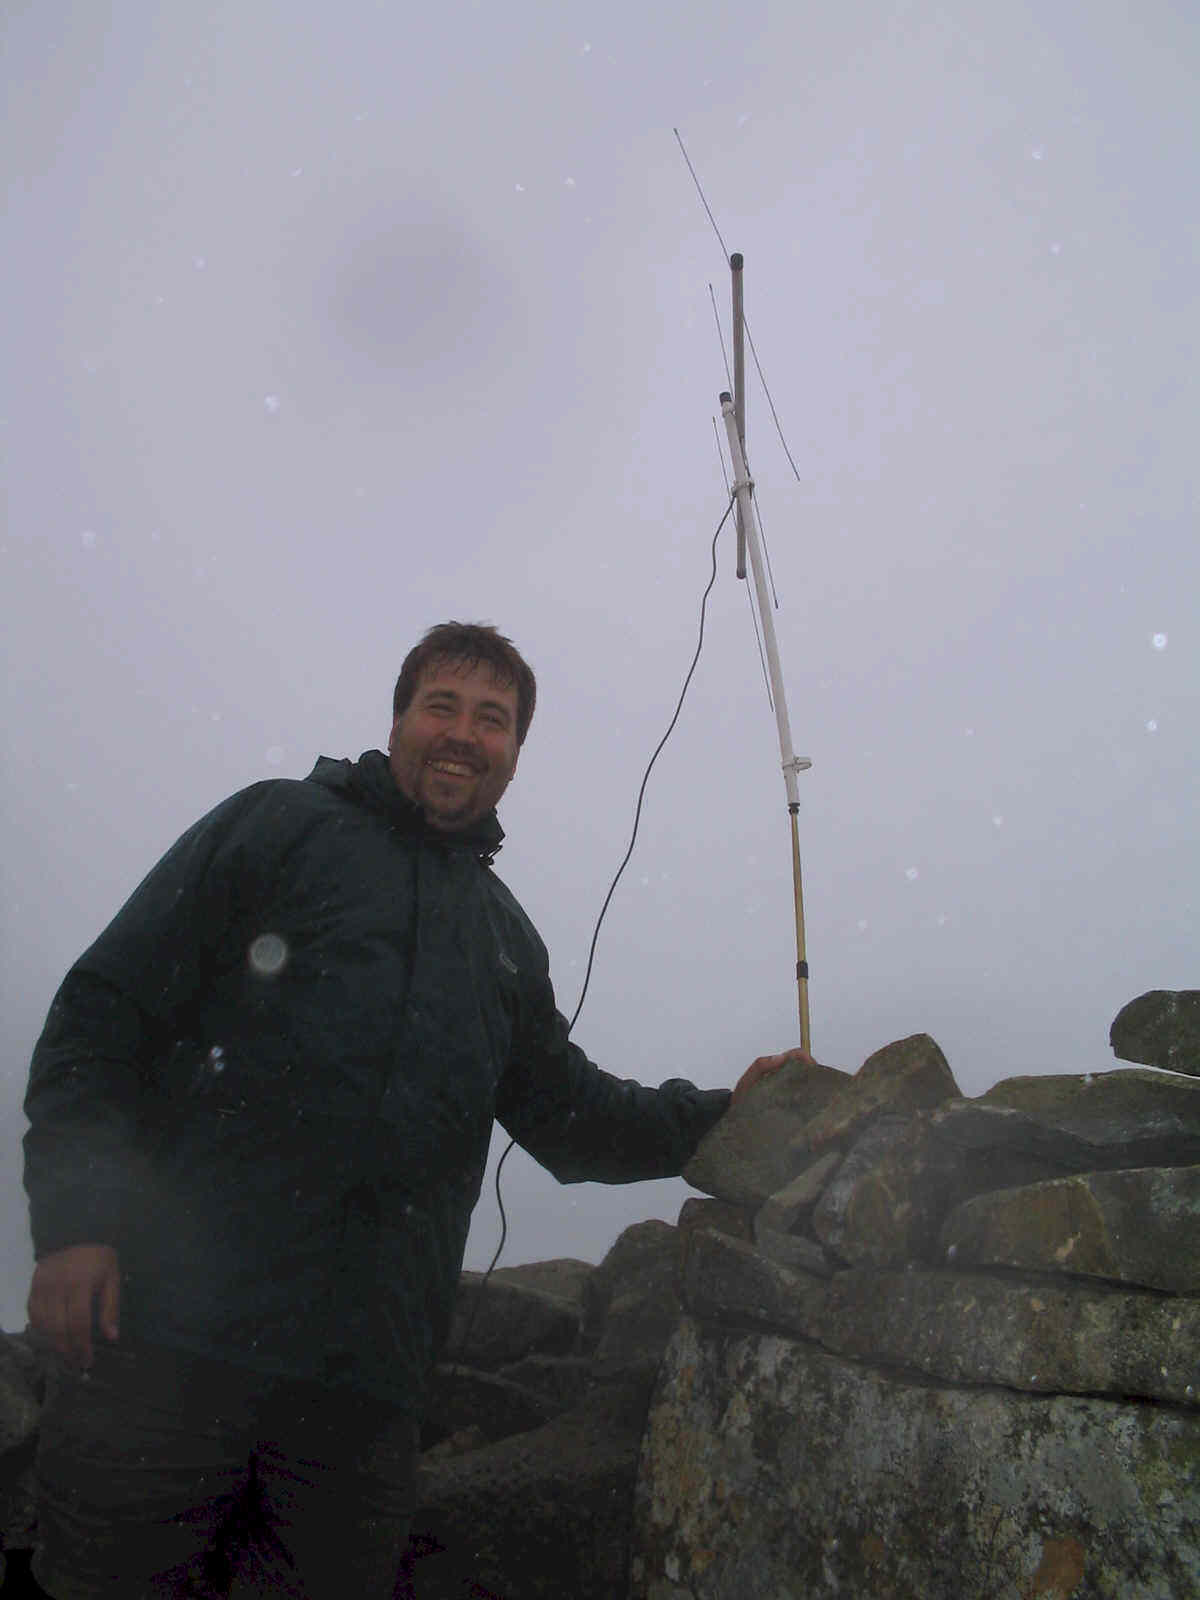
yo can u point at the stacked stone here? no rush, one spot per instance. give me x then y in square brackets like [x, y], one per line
[934, 1346]
[912, 1346]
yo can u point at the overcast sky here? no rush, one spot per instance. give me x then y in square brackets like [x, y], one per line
[324, 324]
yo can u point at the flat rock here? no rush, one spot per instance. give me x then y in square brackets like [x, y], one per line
[772, 1469]
[1128, 1118]
[749, 1154]
[563, 1277]
[1047, 1336]
[896, 1187]
[1139, 1226]
[1160, 1029]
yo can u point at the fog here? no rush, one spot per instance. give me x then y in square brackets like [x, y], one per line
[326, 324]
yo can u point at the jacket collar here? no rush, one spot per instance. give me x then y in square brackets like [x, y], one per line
[368, 782]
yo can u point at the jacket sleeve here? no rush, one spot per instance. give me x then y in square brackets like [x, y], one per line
[582, 1123]
[111, 1025]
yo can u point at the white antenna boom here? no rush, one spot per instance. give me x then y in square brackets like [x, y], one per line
[792, 763]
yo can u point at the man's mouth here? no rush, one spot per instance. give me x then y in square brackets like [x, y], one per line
[454, 769]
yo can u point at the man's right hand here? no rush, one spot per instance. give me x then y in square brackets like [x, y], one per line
[66, 1285]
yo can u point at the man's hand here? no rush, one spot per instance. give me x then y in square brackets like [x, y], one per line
[66, 1285]
[764, 1067]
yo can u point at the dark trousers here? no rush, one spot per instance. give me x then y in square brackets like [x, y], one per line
[162, 1475]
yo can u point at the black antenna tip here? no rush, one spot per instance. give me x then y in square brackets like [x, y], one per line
[725, 397]
[735, 261]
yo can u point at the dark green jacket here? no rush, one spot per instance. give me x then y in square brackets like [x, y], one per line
[271, 1082]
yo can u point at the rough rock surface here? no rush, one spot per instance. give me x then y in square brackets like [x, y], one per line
[918, 1346]
[1139, 1226]
[772, 1469]
[994, 1362]
[1160, 1029]
[747, 1157]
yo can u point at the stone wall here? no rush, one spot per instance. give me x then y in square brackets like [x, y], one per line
[958, 1355]
[912, 1345]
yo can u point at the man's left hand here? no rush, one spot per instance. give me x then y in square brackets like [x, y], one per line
[764, 1067]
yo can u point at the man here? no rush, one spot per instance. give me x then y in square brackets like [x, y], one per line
[259, 1118]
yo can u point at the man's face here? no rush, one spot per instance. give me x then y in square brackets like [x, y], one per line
[454, 749]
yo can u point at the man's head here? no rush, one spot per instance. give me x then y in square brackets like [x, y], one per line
[460, 712]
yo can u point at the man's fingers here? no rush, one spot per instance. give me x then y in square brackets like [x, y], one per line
[79, 1324]
[110, 1305]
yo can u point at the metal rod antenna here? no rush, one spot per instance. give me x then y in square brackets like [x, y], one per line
[739, 391]
[792, 763]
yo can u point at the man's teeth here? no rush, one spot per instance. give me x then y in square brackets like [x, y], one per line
[457, 768]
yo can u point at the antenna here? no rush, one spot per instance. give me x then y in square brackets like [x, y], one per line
[734, 415]
[739, 391]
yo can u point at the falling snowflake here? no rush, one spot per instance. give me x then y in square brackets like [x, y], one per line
[271, 403]
[1159, 641]
[268, 955]
[88, 538]
[912, 874]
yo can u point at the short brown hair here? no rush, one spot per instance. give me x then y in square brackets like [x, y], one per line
[471, 643]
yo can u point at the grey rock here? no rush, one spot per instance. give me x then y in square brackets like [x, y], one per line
[718, 1214]
[563, 1277]
[909, 1075]
[1047, 1337]
[1122, 1118]
[787, 1209]
[793, 1250]
[748, 1155]
[461, 1443]
[459, 1397]
[561, 1381]
[539, 1516]
[636, 1332]
[1137, 1227]
[642, 1264]
[730, 1282]
[771, 1469]
[1160, 1029]
[838, 1216]
[888, 1206]
[500, 1321]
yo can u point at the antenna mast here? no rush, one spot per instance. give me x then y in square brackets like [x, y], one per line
[750, 543]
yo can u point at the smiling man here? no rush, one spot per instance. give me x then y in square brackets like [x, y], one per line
[453, 750]
[260, 1112]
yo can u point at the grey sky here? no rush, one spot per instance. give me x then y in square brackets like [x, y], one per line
[324, 324]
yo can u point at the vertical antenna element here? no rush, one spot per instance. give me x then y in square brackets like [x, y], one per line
[739, 390]
[791, 762]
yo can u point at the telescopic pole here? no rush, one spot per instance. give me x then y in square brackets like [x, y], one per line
[739, 391]
[792, 763]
